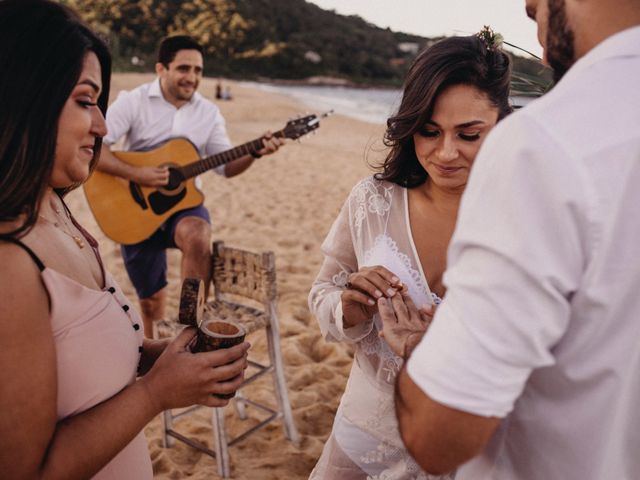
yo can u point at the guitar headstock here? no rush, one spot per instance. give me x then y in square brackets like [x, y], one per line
[298, 127]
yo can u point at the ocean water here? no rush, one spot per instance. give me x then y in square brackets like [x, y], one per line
[372, 105]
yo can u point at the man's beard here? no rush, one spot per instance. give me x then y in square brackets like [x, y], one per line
[560, 40]
[177, 93]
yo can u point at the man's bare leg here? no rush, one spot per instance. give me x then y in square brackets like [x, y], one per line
[152, 309]
[193, 238]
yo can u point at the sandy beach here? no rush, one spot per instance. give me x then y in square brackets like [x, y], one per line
[285, 203]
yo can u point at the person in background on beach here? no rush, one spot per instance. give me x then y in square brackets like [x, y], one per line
[391, 237]
[148, 116]
[531, 367]
[70, 343]
[219, 91]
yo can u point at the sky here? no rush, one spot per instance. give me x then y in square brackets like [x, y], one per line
[430, 18]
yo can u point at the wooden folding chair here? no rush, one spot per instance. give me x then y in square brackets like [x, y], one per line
[245, 291]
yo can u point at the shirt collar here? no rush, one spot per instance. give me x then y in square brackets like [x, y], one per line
[622, 44]
[154, 89]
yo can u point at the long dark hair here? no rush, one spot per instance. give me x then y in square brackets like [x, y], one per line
[452, 61]
[43, 49]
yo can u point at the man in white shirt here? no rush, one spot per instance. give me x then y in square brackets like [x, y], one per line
[147, 117]
[531, 367]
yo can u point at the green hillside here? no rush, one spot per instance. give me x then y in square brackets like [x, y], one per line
[250, 39]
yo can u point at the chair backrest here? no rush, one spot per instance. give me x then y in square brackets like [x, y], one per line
[244, 274]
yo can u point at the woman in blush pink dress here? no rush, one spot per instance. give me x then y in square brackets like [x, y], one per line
[79, 381]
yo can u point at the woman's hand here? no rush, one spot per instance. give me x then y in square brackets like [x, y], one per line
[403, 324]
[364, 288]
[180, 378]
[151, 350]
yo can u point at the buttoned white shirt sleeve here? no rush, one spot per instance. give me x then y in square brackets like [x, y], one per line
[120, 116]
[517, 254]
[218, 140]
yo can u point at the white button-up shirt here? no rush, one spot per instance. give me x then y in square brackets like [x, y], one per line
[147, 120]
[541, 320]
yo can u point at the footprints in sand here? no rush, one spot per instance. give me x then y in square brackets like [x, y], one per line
[307, 348]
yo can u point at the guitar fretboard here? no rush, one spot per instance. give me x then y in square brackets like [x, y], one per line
[200, 166]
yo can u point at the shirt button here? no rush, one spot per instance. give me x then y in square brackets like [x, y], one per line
[136, 326]
[140, 348]
[111, 290]
[125, 308]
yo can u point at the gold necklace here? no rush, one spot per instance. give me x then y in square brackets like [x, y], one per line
[79, 240]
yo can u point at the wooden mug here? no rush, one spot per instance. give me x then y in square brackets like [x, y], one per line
[211, 334]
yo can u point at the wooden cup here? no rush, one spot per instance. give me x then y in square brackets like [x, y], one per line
[216, 334]
[212, 334]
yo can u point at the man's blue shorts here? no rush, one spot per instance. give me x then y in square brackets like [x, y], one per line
[146, 262]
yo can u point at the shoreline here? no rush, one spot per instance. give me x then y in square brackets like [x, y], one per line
[322, 81]
[317, 80]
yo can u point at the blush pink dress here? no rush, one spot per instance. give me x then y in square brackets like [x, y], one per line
[98, 339]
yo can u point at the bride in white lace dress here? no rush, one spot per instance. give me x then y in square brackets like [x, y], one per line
[392, 233]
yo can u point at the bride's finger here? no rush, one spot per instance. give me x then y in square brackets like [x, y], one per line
[358, 297]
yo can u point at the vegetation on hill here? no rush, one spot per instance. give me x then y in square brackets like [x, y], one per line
[276, 39]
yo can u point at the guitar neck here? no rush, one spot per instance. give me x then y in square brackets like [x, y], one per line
[200, 166]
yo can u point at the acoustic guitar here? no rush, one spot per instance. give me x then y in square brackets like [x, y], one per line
[129, 213]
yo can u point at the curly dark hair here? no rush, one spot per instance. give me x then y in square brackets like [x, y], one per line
[43, 48]
[452, 61]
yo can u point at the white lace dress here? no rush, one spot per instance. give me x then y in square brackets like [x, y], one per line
[372, 229]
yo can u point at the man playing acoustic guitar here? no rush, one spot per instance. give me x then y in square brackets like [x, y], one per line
[148, 116]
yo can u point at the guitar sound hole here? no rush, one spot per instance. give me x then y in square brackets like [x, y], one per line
[175, 179]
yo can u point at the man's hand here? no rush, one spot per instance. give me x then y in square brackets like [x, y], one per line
[144, 176]
[270, 144]
[403, 324]
[150, 176]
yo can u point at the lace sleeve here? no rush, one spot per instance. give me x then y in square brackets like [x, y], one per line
[340, 260]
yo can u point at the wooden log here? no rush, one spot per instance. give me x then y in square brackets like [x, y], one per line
[191, 302]
[212, 334]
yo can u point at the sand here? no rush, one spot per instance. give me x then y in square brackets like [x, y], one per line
[286, 203]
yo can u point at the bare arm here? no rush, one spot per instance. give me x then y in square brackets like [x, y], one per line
[146, 176]
[27, 366]
[440, 438]
[236, 167]
[33, 443]
[86, 442]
